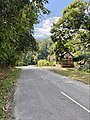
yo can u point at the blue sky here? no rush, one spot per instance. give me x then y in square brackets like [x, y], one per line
[42, 31]
[56, 7]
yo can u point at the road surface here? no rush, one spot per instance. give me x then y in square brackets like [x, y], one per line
[44, 95]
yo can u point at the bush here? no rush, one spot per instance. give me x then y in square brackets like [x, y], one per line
[86, 67]
[80, 58]
[43, 63]
[52, 63]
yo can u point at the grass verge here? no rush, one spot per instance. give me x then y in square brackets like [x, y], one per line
[73, 74]
[8, 79]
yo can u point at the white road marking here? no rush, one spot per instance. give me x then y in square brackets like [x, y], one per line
[42, 77]
[75, 102]
[71, 98]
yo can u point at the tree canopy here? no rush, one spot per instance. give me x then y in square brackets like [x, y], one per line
[45, 48]
[72, 28]
[17, 19]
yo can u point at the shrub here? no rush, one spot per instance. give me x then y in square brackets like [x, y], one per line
[86, 67]
[80, 57]
[53, 63]
[43, 63]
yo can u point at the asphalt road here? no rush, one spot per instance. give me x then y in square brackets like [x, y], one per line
[44, 95]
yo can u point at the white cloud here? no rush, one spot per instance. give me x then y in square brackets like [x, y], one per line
[43, 31]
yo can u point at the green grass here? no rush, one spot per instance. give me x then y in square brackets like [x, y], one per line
[6, 84]
[73, 74]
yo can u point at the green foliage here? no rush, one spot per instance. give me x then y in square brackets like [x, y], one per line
[86, 67]
[45, 48]
[83, 37]
[17, 19]
[27, 59]
[52, 63]
[43, 63]
[80, 58]
[36, 58]
[6, 86]
[71, 33]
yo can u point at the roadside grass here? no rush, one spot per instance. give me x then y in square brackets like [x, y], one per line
[73, 73]
[8, 78]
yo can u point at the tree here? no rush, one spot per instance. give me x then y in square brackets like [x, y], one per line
[45, 48]
[17, 19]
[65, 29]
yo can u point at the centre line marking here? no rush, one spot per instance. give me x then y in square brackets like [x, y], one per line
[75, 102]
[42, 77]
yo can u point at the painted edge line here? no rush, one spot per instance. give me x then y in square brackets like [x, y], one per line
[75, 102]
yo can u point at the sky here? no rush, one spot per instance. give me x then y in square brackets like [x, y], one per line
[42, 30]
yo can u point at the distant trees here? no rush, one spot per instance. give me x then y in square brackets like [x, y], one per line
[45, 48]
[17, 19]
[72, 31]
[41, 50]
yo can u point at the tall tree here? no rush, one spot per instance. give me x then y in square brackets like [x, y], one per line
[72, 20]
[17, 19]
